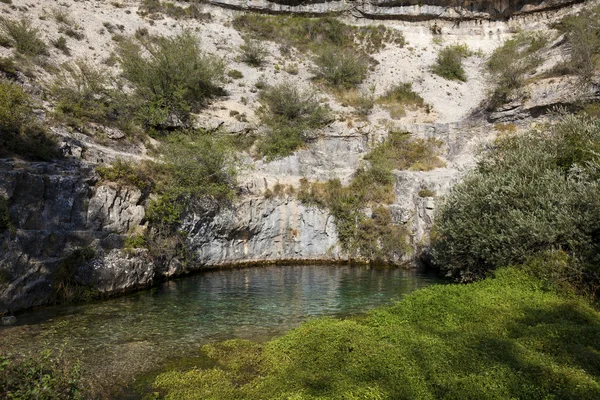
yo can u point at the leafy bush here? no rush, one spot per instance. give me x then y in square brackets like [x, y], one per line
[506, 337]
[171, 76]
[289, 114]
[399, 96]
[21, 133]
[449, 63]
[341, 68]
[531, 194]
[128, 174]
[253, 52]
[45, 376]
[399, 151]
[22, 36]
[583, 35]
[84, 93]
[510, 62]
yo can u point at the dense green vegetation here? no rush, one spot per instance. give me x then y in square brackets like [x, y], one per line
[507, 337]
[21, 133]
[583, 35]
[291, 115]
[20, 35]
[172, 77]
[510, 63]
[44, 377]
[449, 62]
[373, 237]
[530, 195]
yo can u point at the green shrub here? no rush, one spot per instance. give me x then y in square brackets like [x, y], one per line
[315, 33]
[235, 74]
[22, 36]
[583, 35]
[149, 7]
[531, 194]
[341, 67]
[84, 93]
[290, 114]
[399, 151]
[426, 193]
[21, 133]
[399, 96]
[61, 44]
[128, 174]
[510, 62]
[253, 52]
[45, 376]
[506, 337]
[171, 76]
[449, 62]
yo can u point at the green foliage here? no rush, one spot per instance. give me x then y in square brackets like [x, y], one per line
[45, 376]
[290, 115]
[341, 67]
[235, 74]
[21, 134]
[375, 237]
[171, 76]
[448, 64]
[22, 37]
[151, 7]
[315, 33]
[65, 286]
[426, 193]
[61, 44]
[529, 195]
[84, 93]
[399, 96]
[583, 34]
[135, 242]
[511, 62]
[128, 174]
[253, 52]
[506, 337]
[399, 151]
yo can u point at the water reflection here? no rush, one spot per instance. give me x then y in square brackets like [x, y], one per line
[175, 318]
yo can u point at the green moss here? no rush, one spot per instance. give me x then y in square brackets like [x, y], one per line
[505, 337]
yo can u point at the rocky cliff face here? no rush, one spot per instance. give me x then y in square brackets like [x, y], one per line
[402, 9]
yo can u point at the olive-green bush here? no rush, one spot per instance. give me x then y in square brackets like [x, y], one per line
[172, 77]
[528, 195]
[448, 63]
[22, 36]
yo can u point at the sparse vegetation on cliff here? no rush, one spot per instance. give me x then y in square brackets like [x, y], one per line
[21, 133]
[375, 237]
[449, 62]
[291, 115]
[22, 36]
[172, 77]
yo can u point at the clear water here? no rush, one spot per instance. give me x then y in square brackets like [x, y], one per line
[119, 338]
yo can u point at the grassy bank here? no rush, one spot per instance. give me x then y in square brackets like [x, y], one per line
[511, 336]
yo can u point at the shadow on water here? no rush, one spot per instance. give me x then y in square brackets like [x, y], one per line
[120, 338]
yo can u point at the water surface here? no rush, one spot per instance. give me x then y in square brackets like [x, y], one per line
[119, 338]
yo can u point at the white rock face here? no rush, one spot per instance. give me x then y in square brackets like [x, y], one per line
[259, 229]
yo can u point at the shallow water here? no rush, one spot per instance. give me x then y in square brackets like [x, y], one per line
[119, 338]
